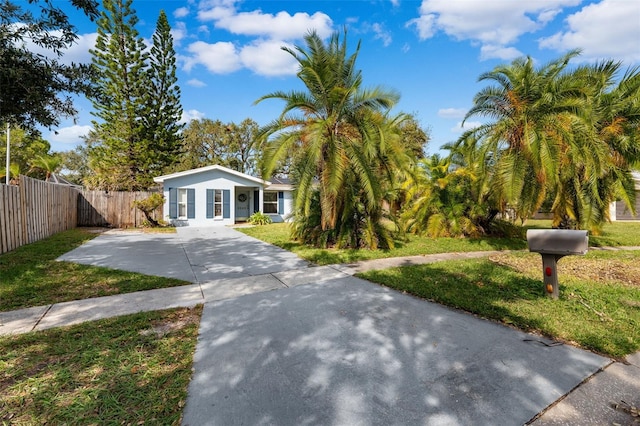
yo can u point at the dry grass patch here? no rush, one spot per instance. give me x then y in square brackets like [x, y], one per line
[619, 266]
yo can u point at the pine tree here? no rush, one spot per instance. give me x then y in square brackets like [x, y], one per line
[163, 98]
[120, 158]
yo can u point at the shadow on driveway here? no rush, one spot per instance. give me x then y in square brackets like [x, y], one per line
[348, 352]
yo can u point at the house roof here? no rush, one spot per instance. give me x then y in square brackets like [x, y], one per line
[161, 179]
[55, 178]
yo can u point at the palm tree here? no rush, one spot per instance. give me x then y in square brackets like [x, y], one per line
[349, 147]
[533, 121]
[569, 134]
[606, 146]
[48, 164]
[14, 174]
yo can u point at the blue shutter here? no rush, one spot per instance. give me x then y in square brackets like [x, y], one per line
[173, 203]
[280, 202]
[256, 201]
[226, 204]
[191, 203]
[210, 199]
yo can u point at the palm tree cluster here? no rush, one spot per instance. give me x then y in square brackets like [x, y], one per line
[568, 137]
[347, 149]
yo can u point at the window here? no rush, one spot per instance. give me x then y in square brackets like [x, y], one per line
[270, 204]
[182, 203]
[217, 203]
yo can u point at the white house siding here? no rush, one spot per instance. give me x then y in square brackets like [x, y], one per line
[283, 215]
[200, 182]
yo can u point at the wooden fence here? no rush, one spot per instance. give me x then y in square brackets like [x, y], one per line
[35, 210]
[113, 209]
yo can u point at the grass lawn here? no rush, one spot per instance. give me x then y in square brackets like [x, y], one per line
[615, 234]
[129, 370]
[30, 275]
[278, 234]
[598, 309]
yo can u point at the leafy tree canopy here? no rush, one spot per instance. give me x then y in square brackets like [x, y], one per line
[207, 142]
[34, 89]
[26, 146]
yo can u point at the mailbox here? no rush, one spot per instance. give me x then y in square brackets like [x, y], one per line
[553, 244]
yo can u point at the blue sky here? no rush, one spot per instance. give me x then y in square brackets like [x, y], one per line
[430, 51]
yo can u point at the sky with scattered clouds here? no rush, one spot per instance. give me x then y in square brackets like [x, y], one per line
[430, 51]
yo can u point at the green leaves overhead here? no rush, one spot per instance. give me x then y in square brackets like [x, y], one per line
[35, 89]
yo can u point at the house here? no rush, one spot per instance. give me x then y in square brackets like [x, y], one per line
[619, 210]
[218, 196]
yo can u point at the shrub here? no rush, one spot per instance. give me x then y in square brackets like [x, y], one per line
[259, 218]
[148, 206]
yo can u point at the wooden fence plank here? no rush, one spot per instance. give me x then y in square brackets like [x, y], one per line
[35, 210]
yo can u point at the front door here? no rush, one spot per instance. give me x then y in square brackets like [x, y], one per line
[242, 205]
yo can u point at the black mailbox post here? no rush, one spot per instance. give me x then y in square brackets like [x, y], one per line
[554, 244]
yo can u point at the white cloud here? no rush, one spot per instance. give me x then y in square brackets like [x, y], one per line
[179, 32]
[190, 115]
[452, 112]
[495, 23]
[72, 134]
[268, 58]
[78, 52]
[490, 51]
[609, 29]
[263, 57]
[281, 26]
[468, 125]
[196, 83]
[181, 12]
[267, 33]
[219, 58]
[382, 34]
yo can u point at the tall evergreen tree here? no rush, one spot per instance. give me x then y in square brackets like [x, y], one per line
[163, 93]
[121, 157]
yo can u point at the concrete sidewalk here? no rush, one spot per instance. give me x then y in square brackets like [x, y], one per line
[79, 311]
[282, 342]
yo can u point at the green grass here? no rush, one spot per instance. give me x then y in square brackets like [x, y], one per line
[615, 234]
[30, 275]
[133, 369]
[598, 309]
[278, 234]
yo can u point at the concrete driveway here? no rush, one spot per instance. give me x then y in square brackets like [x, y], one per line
[196, 255]
[327, 348]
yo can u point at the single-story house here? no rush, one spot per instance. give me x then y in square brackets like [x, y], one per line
[218, 196]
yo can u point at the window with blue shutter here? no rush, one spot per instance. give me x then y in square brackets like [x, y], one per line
[280, 202]
[226, 204]
[210, 195]
[173, 203]
[256, 201]
[191, 203]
